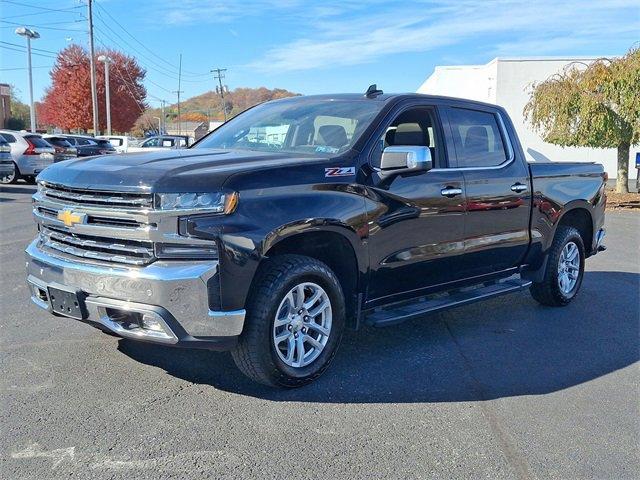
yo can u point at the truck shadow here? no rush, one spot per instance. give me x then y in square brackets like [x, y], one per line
[505, 347]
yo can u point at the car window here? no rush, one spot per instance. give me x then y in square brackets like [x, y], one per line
[116, 142]
[84, 141]
[477, 138]
[298, 125]
[410, 128]
[182, 142]
[9, 138]
[103, 143]
[167, 142]
[71, 141]
[152, 142]
[37, 141]
[3, 141]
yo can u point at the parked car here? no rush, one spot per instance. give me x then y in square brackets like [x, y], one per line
[31, 154]
[63, 148]
[122, 143]
[89, 146]
[161, 142]
[6, 161]
[370, 210]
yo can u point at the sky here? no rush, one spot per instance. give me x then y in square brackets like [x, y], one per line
[310, 46]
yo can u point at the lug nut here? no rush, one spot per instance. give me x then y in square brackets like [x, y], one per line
[304, 329]
[295, 335]
[289, 328]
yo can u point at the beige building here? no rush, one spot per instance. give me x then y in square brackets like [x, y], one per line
[5, 104]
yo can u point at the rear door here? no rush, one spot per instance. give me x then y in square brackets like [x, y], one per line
[497, 186]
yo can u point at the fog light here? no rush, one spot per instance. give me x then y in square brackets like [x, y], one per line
[149, 322]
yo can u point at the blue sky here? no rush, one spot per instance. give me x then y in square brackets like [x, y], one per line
[311, 46]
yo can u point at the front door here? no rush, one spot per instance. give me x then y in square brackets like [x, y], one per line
[416, 221]
[497, 189]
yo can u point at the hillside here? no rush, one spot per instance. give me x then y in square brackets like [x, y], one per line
[209, 105]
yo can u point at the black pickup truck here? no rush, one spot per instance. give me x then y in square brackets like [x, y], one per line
[305, 216]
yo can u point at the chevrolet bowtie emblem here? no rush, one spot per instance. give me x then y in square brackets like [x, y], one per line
[69, 218]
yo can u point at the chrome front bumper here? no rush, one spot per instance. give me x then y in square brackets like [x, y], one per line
[172, 294]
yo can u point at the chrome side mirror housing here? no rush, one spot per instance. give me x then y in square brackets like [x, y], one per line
[404, 159]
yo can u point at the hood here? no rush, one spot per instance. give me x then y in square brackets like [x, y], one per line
[198, 170]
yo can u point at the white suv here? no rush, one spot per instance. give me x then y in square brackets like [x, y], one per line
[121, 143]
[31, 154]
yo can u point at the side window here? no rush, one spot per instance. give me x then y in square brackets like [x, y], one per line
[477, 138]
[414, 127]
[167, 142]
[116, 142]
[10, 138]
[152, 142]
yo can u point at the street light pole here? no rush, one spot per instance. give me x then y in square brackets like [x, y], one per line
[92, 67]
[107, 61]
[29, 34]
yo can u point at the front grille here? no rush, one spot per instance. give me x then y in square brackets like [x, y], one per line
[96, 198]
[131, 252]
[98, 219]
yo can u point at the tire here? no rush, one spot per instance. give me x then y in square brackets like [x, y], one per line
[551, 291]
[271, 309]
[11, 178]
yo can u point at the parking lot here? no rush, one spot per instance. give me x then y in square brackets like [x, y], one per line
[500, 389]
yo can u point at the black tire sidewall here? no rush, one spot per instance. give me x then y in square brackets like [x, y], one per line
[314, 272]
[16, 176]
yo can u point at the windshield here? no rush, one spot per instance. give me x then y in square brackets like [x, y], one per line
[311, 126]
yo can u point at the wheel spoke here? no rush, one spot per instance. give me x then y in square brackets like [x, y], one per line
[299, 351]
[320, 308]
[291, 348]
[314, 298]
[299, 296]
[282, 337]
[318, 328]
[313, 342]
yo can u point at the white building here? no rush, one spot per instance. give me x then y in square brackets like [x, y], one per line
[507, 82]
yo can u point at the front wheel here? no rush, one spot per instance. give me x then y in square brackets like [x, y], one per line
[295, 320]
[565, 269]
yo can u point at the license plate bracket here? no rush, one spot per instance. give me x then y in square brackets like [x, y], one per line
[69, 303]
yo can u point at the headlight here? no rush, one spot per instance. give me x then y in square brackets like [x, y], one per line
[216, 202]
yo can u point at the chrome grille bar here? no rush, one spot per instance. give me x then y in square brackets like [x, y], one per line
[76, 196]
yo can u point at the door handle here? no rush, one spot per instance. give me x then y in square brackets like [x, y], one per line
[518, 187]
[450, 192]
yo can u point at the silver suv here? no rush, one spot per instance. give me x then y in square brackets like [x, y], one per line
[31, 154]
[6, 162]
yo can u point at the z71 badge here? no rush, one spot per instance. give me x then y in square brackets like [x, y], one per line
[339, 171]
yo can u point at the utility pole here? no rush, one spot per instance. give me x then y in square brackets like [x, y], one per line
[219, 75]
[162, 127]
[179, 92]
[92, 64]
[107, 61]
[29, 34]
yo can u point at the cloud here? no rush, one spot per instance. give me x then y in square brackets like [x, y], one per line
[362, 35]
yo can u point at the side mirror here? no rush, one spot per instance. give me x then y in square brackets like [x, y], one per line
[404, 159]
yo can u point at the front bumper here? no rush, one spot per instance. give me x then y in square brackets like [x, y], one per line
[172, 295]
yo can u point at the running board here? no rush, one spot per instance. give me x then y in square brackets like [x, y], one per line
[399, 313]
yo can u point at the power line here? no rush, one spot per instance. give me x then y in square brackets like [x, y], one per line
[20, 4]
[142, 44]
[22, 51]
[43, 27]
[23, 68]
[23, 47]
[40, 13]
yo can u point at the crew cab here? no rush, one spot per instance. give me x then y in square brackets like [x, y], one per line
[304, 216]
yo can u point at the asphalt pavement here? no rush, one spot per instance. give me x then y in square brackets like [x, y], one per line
[500, 389]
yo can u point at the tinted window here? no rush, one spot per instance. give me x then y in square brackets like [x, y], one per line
[71, 140]
[298, 125]
[37, 141]
[152, 142]
[3, 141]
[58, 142]
[104, 144]
[477, 138]
[10, 138]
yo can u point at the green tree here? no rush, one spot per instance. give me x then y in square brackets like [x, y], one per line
[595, 106]
[20, 114]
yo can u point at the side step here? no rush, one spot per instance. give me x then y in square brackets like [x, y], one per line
[400, 312]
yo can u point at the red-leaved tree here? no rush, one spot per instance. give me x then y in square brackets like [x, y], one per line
[67, 102]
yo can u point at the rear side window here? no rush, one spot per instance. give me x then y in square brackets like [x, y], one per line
[103, 143]
[37, 141]
[477, 138]
[9, 138]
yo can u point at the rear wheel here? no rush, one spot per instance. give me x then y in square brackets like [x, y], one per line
[565, 269]
[295, 320]
[11, 177]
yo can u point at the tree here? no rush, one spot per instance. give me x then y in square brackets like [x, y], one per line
[20, 113]
[67, 103]
[595, 106]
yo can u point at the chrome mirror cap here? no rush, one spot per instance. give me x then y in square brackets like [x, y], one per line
[406, 158]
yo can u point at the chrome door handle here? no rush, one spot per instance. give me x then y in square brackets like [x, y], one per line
[450, 192]
[518, 187]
